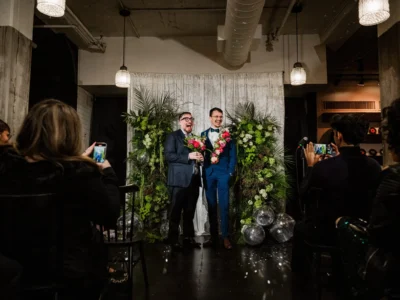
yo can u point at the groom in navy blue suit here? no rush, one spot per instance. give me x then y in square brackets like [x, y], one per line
[216, 178]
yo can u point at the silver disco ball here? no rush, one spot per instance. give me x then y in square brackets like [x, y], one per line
[282, 229]
[143, 158]
[137, 225]
[264, 216]
[253, 234]
[164, 229]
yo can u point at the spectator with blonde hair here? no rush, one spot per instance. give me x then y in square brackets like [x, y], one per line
[47, 158]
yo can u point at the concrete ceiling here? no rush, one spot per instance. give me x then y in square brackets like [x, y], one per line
[333, 20]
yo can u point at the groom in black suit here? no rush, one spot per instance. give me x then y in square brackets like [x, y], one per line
[183, 183]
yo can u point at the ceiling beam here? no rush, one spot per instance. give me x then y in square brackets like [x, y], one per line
[288, 12]
[184, 9]
[346, 7]
[134, 28]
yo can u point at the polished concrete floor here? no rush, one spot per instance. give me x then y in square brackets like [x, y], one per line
[261, 273]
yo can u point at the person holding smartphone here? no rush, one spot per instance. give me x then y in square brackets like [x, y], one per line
[47, 158]
[347, 183]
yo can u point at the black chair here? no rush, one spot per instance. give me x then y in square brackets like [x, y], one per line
[318, 248]
[127, 238]
[31, 233]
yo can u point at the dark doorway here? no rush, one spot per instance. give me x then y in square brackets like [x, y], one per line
[108, 126]
[54, 70]
[300, 121]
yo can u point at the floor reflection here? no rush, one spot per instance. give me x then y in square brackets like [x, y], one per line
[243, 273]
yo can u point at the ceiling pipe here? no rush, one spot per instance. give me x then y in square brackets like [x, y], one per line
[54, 26]
[241, 21]
[287, 14]
[93, 44]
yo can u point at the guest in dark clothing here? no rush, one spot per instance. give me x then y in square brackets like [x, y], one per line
[4, 132]
[47, 159]
[10, 274]
[347, 182]
[374, 247]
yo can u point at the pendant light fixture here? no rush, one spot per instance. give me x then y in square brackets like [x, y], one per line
[373, 12]
[123, 78]
[51, 8]
[298, 75]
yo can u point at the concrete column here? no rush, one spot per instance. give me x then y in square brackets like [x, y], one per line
[16, 29]
[389, 62]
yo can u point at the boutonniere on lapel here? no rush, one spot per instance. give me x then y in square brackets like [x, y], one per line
[219, 141]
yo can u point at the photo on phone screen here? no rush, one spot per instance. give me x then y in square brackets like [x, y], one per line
[99, 153]
[320, 149]
[329, 149]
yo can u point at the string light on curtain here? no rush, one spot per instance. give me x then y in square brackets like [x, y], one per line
[373, 12]
[123, 77]
[52, 8]
[298, 76]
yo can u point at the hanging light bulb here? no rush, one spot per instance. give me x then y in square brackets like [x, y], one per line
[123, 77]
[51, 8]
[298, 75]
[373, 12]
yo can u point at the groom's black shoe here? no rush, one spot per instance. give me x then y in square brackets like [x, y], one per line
[191, 243]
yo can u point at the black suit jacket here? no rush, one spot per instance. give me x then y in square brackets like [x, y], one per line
[180, 167]
[348, 183]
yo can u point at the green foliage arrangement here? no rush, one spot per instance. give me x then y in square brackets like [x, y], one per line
[151, 121]
[261, 163]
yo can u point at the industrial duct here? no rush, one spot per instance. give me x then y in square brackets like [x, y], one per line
[241, 20]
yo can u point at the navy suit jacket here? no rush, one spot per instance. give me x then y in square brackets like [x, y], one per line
[227, 159]
[180, 167]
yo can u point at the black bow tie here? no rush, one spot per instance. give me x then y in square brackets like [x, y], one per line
[214, 130]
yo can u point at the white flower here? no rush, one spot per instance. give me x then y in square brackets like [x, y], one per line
[259, 127]
[242, 135]
[245, 140]
[250, 202]
[262, 191]
[257, 197]
[251, 143]
[270, 127]
[267, 134]
[248, 136]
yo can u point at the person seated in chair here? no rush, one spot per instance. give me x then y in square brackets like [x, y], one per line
[47, 158]
[373, 246]
[347, 183]
[10, 275]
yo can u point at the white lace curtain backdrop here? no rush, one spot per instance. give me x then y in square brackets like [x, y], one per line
[198, 93]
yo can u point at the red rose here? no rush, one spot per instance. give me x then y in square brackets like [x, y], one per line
[226, 134]
[196, 144]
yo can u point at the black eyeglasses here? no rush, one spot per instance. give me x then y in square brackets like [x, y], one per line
[187, 119]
